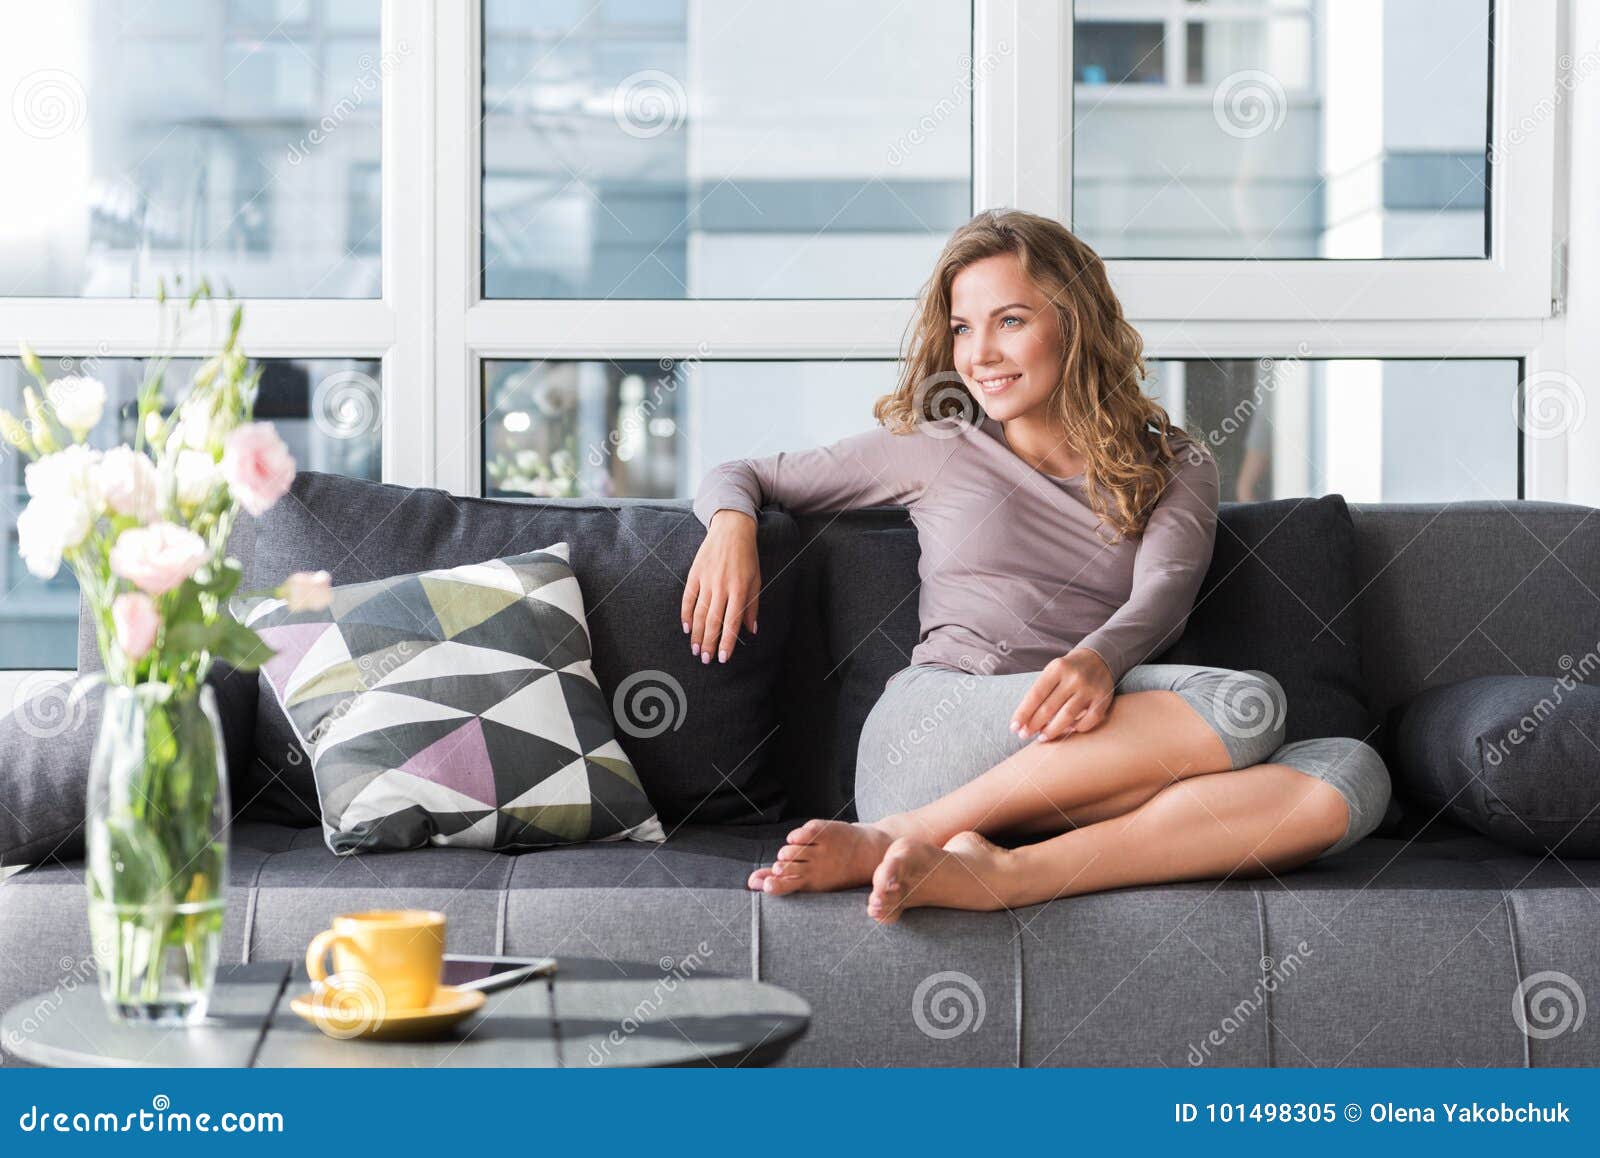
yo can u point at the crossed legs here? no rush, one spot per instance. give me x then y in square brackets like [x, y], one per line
[1150, 795]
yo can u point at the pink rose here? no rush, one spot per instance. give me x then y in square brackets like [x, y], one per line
[137, 622]
[157, 558]
[258, 467]
[308, 591]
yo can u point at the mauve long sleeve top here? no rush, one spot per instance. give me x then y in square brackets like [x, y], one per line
[1013, 573]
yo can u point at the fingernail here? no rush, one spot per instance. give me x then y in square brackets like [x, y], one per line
[694, 649]
[754, 627]
[705, 657]
[722, 657]
[686, 629]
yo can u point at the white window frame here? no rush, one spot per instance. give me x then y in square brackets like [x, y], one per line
[433, 330]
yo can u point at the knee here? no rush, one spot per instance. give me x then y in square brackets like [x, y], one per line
[1354, 775]
[1249, 711]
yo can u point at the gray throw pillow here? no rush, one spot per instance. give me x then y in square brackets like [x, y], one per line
[1512, 757]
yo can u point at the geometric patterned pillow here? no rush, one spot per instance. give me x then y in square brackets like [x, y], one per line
[455, 707]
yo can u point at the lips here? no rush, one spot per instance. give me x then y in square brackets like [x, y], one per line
[997, 383]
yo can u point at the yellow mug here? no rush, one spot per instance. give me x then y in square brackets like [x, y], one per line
[401, 950]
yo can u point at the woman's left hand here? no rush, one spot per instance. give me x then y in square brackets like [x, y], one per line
[1072, 694]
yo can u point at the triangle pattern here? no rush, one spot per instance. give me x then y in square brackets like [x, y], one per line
[456, 706]
[459, 761]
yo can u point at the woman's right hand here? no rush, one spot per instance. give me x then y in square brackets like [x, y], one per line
[724, 586]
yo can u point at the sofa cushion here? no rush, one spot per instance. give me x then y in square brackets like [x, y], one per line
[455, 707]
[1512, 757]
[696, 733]
[1276, 598]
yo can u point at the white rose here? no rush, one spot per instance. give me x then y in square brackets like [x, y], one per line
[66, 474]
[78, 402]
[127, 481]
[196, 475]
[48, 527]
[200, 429]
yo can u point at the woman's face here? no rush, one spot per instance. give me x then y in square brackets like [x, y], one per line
[1007, 341]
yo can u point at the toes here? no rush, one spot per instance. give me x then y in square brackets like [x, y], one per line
[783, 878]
[758, 878]
[790, 851]
[806, 833]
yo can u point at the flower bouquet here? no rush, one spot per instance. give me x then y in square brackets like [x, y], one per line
[145, 528]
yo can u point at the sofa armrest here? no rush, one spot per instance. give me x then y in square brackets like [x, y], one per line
[45, 745]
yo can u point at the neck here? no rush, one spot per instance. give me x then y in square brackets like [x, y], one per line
[1035, 439]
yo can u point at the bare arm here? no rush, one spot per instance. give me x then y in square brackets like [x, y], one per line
[1168, 569]
[724, 585]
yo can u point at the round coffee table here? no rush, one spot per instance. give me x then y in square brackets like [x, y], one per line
[589, 1013]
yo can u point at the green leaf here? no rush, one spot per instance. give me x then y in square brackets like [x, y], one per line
[227, 640]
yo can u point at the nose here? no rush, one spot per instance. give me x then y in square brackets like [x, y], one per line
[983, 347]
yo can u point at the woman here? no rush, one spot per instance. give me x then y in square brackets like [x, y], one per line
[1065, 527]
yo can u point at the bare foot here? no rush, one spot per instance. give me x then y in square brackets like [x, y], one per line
[824, 856]
[969, 872]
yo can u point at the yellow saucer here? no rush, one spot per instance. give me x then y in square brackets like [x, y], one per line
[449, 1006]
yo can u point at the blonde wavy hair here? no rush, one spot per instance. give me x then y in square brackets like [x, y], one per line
[1124, 436]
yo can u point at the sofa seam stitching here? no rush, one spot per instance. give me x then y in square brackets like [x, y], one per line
[250, 908]
[503, 909]
[1261, 958]
[1516, 967]
[1016, 967]
[755, 916]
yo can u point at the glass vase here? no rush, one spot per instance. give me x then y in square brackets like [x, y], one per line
[157, 852]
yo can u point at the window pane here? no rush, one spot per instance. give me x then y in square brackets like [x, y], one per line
[723, 149]
[1393, 430]
[651, 429]
[1295, 129]
[239, 141]
[327, 411]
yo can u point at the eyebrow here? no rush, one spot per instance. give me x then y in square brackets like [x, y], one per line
[997, 310]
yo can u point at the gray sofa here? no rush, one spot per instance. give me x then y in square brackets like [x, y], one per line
[1427, 943]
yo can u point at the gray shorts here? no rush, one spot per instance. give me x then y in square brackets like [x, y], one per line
[935, 728]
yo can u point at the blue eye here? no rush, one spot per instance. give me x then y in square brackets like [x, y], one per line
[1010, 318]
[958, 327]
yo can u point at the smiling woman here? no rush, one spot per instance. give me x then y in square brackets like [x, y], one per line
[1066, 525]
